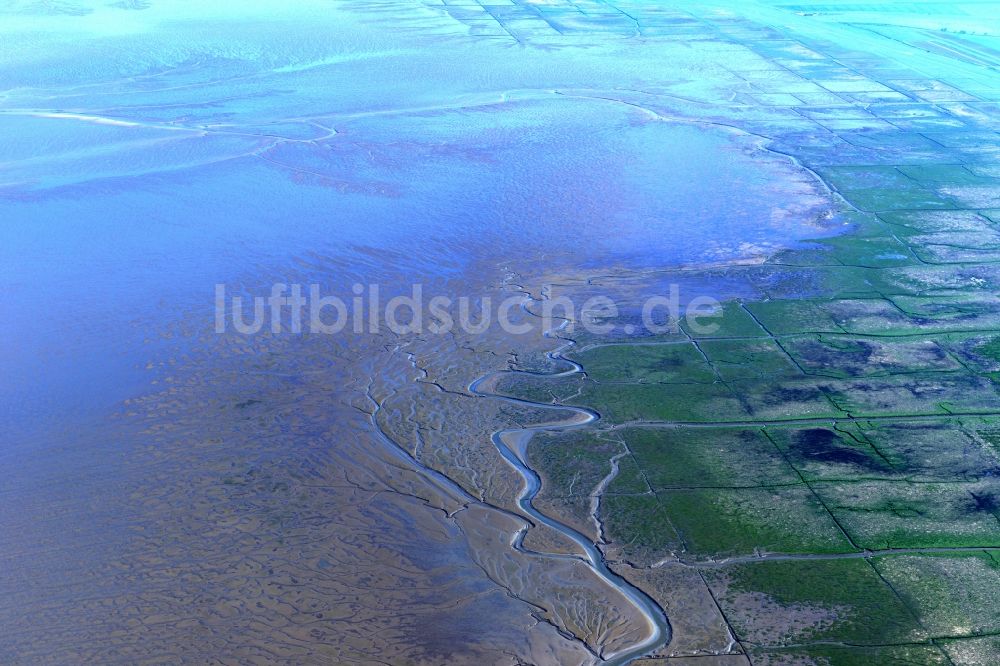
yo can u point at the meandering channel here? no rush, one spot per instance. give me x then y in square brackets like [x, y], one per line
[512, 444]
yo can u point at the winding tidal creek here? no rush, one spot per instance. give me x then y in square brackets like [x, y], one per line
[178, 494]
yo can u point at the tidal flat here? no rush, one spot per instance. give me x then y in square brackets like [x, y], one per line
[810, 481]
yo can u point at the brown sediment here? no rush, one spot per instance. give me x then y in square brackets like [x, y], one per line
[309, 498]
[301, 498]
[340, 498]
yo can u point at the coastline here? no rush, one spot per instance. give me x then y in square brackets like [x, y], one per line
[409, 497]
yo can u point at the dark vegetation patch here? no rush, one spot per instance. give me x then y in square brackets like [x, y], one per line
[825, 445]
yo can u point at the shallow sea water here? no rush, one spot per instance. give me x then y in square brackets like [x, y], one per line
[152, 150]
